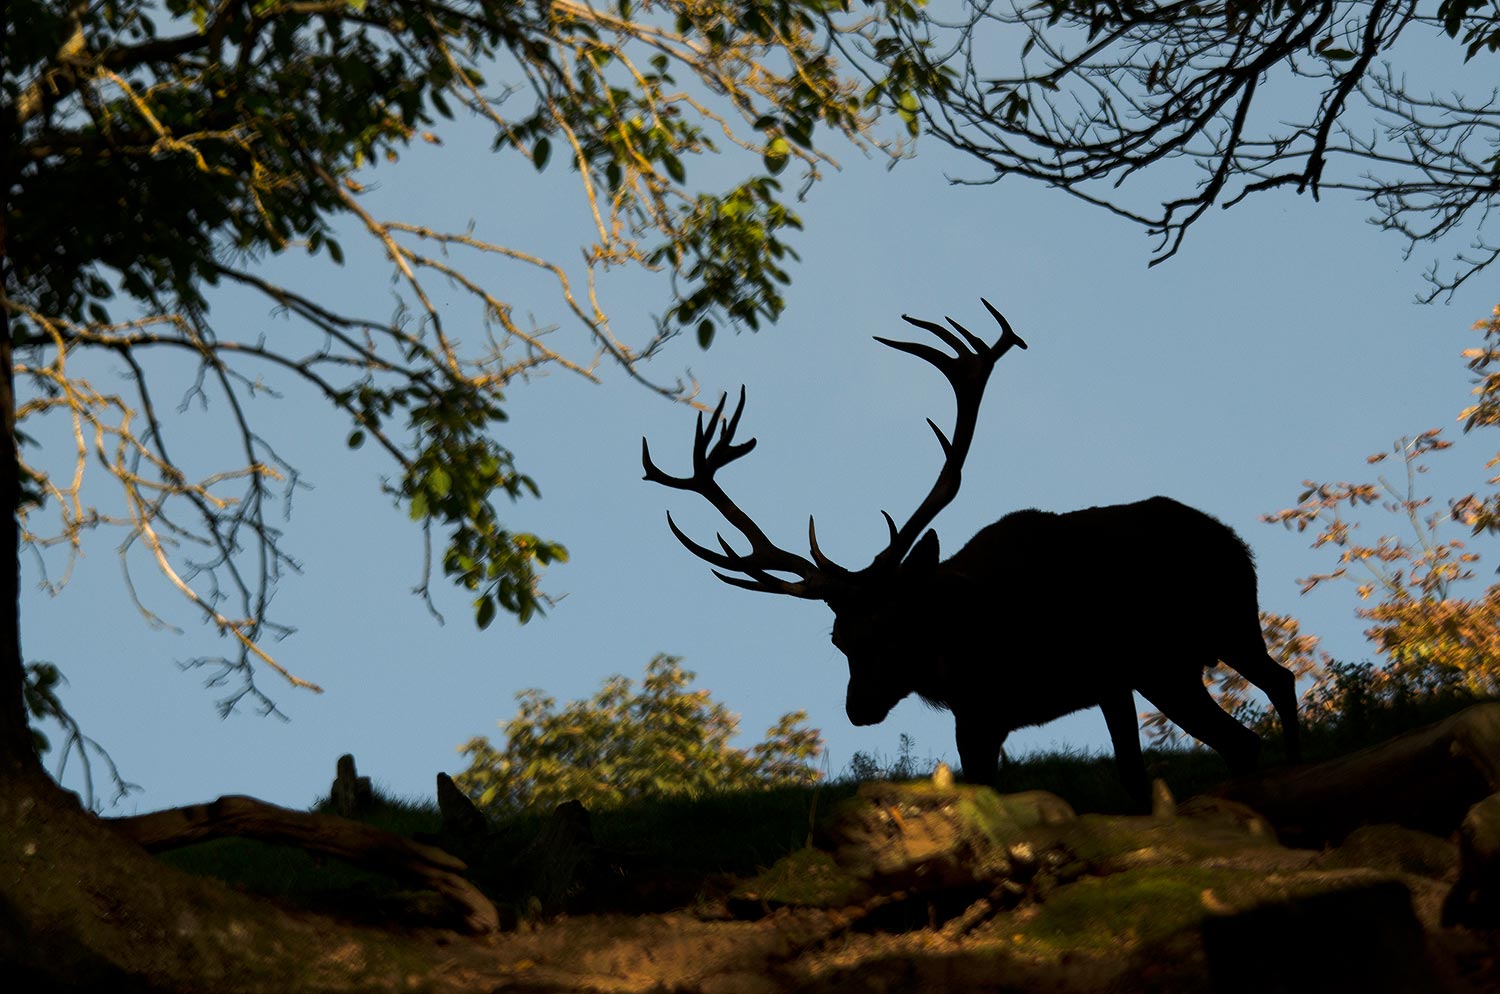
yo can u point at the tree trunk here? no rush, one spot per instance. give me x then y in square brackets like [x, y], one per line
[83, 908]
[15, 733]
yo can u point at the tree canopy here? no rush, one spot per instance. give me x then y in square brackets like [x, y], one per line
[1119, 102]
[158, 153]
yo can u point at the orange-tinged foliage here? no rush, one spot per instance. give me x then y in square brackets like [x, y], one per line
[1421, 618]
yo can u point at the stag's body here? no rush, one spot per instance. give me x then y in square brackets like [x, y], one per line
[1044, 614]
[1040, 615]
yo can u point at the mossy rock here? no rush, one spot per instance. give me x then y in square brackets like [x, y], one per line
[929, 836]
[1110, 843]
[1235, 931]
[1394, 848]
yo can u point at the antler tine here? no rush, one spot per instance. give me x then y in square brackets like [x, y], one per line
[1008, 337]
[757, 585]
[942, 439]
[653, 473]
[924, 352]
[975, 342]
[702, 435]
[706, 460]
[725, 450]
[734, 419]
[890, 523]
[726, 561]
[823, 561]
[942, 333]
[759, 579]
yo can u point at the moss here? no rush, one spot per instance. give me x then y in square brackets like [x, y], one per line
[1114, 842]
[806, 878]
[1146, 905]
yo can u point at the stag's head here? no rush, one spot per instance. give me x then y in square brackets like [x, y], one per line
[873, 607]
[873, 627]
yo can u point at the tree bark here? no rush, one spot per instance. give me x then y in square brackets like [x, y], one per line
[15, 732]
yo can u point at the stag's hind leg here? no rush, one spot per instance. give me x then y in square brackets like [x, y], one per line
[1125, 734]
[1278, 683]
[1190, 706]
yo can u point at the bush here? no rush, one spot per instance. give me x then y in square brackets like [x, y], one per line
[623, 744]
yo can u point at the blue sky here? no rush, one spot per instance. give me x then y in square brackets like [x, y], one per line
[1283, 343]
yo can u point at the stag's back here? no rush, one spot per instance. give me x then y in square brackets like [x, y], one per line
[1152, 562]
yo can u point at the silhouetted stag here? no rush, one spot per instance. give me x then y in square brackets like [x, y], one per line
[1040, 615]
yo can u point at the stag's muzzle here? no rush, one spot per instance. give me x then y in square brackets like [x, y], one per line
[862, 713]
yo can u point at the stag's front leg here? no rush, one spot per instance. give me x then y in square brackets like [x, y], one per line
[980, 741]
[1125, 734]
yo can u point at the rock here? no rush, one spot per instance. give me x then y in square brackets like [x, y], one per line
[921, 835]
[466, 831]
[350, 795]
[1475, 899]
[1362, 937]
[1394, 848]
[912, 853]
[1163, 804]
[1222, 812]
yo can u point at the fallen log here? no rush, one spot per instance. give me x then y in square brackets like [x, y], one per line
[361, 844]
[1426, 779]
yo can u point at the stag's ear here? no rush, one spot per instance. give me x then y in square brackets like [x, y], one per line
[923, 560]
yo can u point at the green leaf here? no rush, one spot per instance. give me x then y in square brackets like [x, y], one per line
[484, 612]
[705, 333]
[777, 155]
[356, 438]
[418, 506]
[540, 152]
[439, 483]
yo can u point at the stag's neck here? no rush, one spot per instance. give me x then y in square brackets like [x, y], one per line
[936, 684]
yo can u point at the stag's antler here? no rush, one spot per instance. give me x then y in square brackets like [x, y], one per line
[819, 577]
[968, 372]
